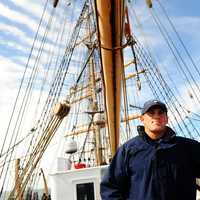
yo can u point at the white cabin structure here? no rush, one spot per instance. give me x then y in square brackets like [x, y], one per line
[77, 184]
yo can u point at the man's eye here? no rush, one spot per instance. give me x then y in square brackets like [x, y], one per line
[151, 112]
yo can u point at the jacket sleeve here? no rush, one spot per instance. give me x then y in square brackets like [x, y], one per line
[196, 157]
[114, 185]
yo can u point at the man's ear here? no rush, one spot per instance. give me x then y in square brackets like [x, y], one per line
[167, 119]
[141, 118]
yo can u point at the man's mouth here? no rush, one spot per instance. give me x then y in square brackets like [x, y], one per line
[156, 122]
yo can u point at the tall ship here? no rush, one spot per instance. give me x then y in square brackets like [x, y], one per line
[90, 69]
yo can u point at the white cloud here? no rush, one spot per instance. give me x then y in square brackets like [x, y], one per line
[188, 21]
[11, 30]
[20, 17]
[9, 73]
[14, 32]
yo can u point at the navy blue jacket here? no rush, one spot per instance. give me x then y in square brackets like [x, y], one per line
[145, 169]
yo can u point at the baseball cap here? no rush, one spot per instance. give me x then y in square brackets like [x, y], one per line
[149, 104]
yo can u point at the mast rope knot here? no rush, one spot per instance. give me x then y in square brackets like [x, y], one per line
[118, 47]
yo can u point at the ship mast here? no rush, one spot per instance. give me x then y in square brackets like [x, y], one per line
[98, 151]
[94, 105]
[110, 26]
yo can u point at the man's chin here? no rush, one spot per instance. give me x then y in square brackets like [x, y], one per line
[158, 130]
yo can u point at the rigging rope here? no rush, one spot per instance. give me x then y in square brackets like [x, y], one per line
[39, 126]
[49, 63]
[165, 89]
[176, 53]
[148, 64]
[166, 93]
[58, 83]
[20, 90]
[26, 98]
[179, 37]
[176, 90]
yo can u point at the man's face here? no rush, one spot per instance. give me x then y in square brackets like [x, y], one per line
[154, 120]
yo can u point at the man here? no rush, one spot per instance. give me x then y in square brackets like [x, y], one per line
[156, 164]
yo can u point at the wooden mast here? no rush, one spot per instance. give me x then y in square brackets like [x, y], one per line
[110, 26]
[95, 109]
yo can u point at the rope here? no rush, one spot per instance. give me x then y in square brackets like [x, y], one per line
[117, 47]
[176, 90]
[170, 42]
[179, 37]
[19, 92]
[167, 90]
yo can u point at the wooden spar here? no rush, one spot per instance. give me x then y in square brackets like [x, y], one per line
[83, 129]
[110, 26]
[129, 63]
[134, 74]
[85, 96]
[75, 90]
[80, 130]
[130, 117]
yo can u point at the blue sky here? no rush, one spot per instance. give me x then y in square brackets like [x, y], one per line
[18, 23]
